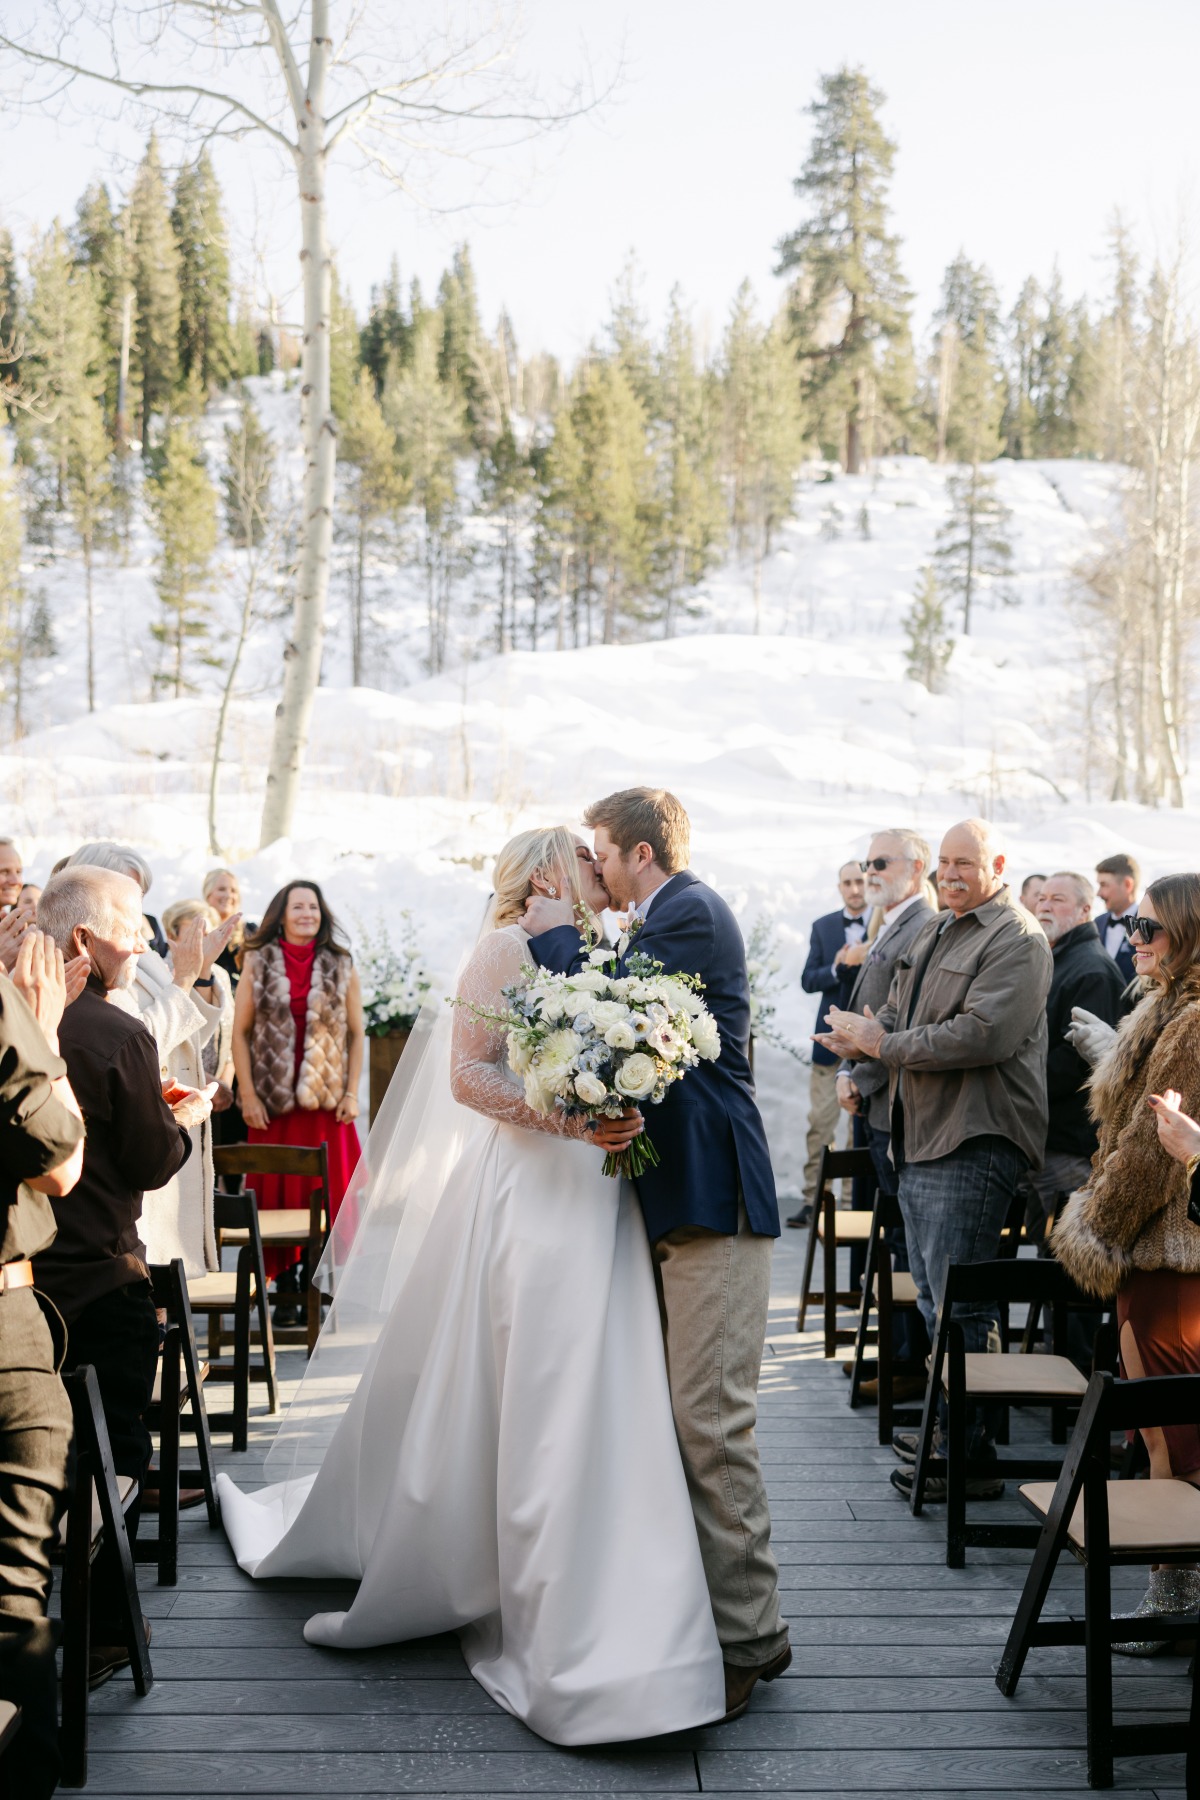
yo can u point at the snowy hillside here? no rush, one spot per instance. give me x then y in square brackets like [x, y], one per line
[787, 748]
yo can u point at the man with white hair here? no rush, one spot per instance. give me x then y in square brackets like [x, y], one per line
[95, 1271]
[963, 1037]
[1084, 975]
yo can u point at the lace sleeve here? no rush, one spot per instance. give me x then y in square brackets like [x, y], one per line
[477, 1077]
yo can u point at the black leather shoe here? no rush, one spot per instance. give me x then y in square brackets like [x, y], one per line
[803, 1217]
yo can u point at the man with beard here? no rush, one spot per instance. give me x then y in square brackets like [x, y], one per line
[963, 1037]
[1084, 975]
[897, 880]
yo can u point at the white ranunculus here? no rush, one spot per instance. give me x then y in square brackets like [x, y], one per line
[636, 1076]
[590, 980]
[706, 1037]
[598, 958]
[591, 1089]
[621, 1036]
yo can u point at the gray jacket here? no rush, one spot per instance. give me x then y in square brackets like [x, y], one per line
[971, 1059]
[871, 989]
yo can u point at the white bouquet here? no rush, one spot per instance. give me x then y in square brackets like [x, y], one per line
[598, 1042]
[394, 982]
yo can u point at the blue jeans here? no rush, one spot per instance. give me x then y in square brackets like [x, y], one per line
[954, 1211]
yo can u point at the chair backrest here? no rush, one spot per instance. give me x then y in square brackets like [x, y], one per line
[272, 1159]
[1154, 1400]
[840, 1165]
[1021, 1279]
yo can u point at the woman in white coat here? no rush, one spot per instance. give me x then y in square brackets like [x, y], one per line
[172, 999]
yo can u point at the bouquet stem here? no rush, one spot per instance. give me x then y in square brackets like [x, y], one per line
[629, 1164]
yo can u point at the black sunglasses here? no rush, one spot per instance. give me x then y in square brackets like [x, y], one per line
[1143, 928]
[878, 862]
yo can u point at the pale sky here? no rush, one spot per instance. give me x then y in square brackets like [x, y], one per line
[1020, 125]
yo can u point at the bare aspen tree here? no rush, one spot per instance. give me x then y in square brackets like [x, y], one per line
[213, 69]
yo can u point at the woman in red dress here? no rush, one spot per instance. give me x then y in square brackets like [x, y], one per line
[298, 1053]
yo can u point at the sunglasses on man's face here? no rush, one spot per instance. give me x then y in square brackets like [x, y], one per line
[877, 862]
[1145, 929]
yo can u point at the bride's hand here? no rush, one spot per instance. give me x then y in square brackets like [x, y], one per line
[543, 914]
[618, 1134]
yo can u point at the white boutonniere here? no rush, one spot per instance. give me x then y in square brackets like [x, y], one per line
[631, 924]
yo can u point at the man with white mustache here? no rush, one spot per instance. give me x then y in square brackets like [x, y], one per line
[963, 1037]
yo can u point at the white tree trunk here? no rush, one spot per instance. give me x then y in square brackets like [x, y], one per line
[302, 658]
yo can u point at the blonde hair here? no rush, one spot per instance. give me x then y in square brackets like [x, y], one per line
[528, 854]
[206, 887]
[182, 910]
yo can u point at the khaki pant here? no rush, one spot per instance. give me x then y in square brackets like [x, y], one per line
[824, 1116]
[713, 1291]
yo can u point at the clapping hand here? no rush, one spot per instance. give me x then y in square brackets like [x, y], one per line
[851, 1034]
[1178, 1135]
[215, 942]
[13, 927]
[39, 974]
[77, 972]
[1089, 1035]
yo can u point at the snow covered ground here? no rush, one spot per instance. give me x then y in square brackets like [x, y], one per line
[788, 748]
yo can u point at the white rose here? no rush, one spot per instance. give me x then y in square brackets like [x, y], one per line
[590, 980]
[599, 958]
[607, 1013]
[549, 1003]
[591, 1089]
[706, 1037]
[620, 1036]
[636, 1076]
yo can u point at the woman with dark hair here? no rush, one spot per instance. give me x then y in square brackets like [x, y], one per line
[1127, 1233]
[298, 1053]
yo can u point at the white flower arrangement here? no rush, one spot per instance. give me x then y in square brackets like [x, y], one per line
[762, 968]
[393, 978]
[597, 1042]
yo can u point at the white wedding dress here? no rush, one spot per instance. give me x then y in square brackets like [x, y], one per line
[507, 1465]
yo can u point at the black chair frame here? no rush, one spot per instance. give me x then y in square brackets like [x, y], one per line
[878, 1295]
[1009, 1280]
[93, 1470]
[239, 1212]
[1109, 1406]
[182, 1387]
[835, 1165]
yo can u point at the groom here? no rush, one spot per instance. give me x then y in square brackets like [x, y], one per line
[710, 1211]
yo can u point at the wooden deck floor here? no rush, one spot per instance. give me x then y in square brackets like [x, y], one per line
[891, 1688]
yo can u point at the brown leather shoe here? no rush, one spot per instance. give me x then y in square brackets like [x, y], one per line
[904, 1387]
[740, 1682]
[187, 1497]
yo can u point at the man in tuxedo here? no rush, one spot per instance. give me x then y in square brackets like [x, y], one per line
[710, 1209]
[1117, 881]
[836, 952]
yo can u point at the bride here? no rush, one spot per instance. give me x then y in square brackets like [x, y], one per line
[484, 1437]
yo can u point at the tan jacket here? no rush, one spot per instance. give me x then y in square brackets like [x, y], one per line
[971, 1061]
[1133, 1212]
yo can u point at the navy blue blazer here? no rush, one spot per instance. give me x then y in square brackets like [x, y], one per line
[708, 1132]
[1124, 957]
[820, 976]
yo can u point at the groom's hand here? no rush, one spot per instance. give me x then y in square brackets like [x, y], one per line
[618, 1134]
[543, 914]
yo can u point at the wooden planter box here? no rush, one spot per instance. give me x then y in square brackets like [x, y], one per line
[385, 1054]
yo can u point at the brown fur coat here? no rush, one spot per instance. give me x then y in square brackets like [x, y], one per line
[1133, 1212]
[326, 1062]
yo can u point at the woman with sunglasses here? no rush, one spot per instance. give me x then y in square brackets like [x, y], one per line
[1127, 1233]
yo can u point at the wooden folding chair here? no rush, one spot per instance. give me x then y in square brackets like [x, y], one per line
[178, 1386]
[10, 1724]
[1105, 1525]
[94, 1526]
[1010, 1379]
[834, 1228]
[885, 1290]
[292, 1227]
[238, 1291]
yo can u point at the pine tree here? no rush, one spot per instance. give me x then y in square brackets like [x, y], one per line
[11, 589]
[377, 491]
[155, 271]
[246, 479]
[344, 356]
[1052, 375]
[244, 338]
[615, 503]
[503, 482]
[763, 431]
[927, 635]
[973, 545]
[1020, 423]
[184, 504]
[460, 353]
[1115, 351]
[205, 340]
[629, 335]
[848, 301]
[10, 312]
[64, 353]
[692, 505]
[967, 373]
[428, 422]
[386, 340]
[99, 242]
[93, 499]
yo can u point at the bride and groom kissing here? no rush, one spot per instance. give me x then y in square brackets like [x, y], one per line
[513, 1457]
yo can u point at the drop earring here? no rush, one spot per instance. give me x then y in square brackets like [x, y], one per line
[553, 892]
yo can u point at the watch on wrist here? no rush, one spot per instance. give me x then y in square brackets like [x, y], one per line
[203, 981]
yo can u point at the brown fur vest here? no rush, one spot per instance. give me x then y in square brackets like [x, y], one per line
[1133, 1212]
[326, 1061]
